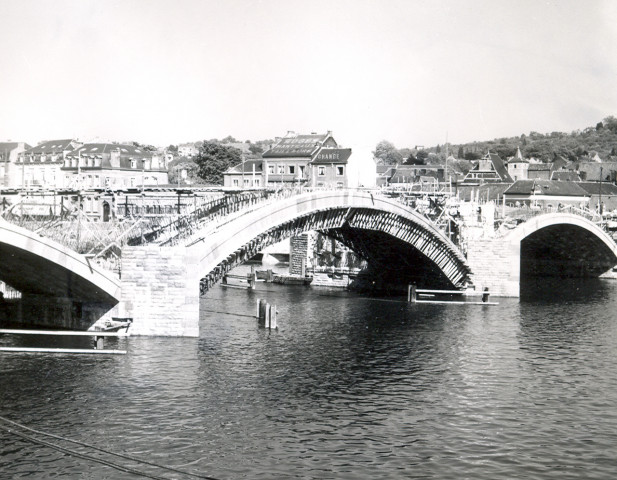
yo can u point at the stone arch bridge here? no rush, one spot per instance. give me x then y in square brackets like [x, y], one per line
[160, 285]
[384, 231]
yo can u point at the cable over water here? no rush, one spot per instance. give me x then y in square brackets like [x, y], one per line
[59, 448]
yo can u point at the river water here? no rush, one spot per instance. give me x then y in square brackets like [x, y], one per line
[349, 387]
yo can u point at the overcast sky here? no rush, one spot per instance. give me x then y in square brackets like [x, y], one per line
[412, 72]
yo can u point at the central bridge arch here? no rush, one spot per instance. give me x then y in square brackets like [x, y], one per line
[380, 229]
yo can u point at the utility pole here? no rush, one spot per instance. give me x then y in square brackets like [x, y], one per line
[600, 200]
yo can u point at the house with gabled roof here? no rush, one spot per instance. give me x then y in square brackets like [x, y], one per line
[10, 175]
[248, 174]
[41, 165]
[489, 169]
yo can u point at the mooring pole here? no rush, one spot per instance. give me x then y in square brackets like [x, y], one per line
[262, 312]
[411, 293]
[485, 295]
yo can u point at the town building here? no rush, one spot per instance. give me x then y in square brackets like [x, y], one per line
[489, 169]
[113, 166]
[518, 166]
[294, 161]
[384, 174]
[287, 162]
[539, 171]
[10, 174]
[329, 168]
[546, 194]
[248, 174]
[41, 166]
[596, 172]
[601, 195]
[187, 150]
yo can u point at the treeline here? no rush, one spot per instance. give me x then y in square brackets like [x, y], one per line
[600, 139]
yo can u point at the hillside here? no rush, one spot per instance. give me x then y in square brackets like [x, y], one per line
[600, 139]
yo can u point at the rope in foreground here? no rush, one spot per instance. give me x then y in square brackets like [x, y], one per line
[83, 456]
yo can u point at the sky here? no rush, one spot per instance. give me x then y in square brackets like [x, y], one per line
[414, 72]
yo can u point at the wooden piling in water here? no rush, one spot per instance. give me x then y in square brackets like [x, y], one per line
[266, 314]
[411, 293]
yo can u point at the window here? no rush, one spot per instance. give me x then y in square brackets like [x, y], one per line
[321, 171]
[301, 171]
[247, 182]
[340, 170]
[281, 169]
[270, 168]
[292, 169]
[256, 182]
[236, 183]
[133, 163]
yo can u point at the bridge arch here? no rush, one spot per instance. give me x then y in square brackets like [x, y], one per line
[37, 265]
[380, 229]
[549, 245]
[563, 245]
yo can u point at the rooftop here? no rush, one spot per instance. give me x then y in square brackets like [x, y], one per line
[297, 146]
[51, 146]
[546, 187]
[332, 155]
[93, 149]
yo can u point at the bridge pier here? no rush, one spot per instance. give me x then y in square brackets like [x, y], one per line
[160, 291]
[495, 264]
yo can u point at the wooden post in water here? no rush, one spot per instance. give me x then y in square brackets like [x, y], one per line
[261, 316]
[99, 343]
[411, 293]
[269, 276]
[272, 323]
[252, 278]
[266, 314]
[485, 295]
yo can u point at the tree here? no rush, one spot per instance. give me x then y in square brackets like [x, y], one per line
[213, 159]
[386, 154]
[461, 152]
[421, 157]
[255, 149]
[610, 123]
[472, 156]
[172, 149]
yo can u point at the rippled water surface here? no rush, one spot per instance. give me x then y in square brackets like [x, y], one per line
[347, 388]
